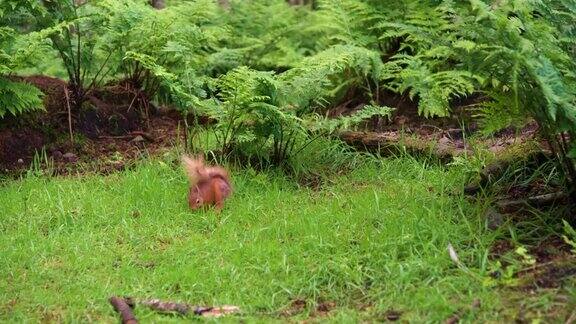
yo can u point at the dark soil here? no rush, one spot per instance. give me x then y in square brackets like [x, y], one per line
[555, 263]
[323, 309]
[105, 153]
[551, 249]
[115, 125]
[296, 307]
[554, 276]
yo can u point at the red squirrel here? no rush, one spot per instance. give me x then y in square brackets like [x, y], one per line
[208, 185]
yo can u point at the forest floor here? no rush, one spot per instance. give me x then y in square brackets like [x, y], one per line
[105, 214]
[369, 245]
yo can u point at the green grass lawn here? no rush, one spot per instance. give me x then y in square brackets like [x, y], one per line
[369, 241]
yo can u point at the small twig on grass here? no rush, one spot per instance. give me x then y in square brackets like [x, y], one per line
[166, 307]
[122, 307]
[185, 309]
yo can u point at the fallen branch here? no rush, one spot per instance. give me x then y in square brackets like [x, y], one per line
[167, 307]
[185, 309]
[182, 308]
[131, 136]
[122, 307]
[147, 136]
[536, 201]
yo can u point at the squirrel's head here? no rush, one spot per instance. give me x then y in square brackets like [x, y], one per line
[195, 198]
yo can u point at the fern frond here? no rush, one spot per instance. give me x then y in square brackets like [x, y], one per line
[330, 125]
[18, 97]
[320, 75]
[346, 22]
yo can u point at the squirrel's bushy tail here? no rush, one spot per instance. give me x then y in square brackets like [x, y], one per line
[194, 168]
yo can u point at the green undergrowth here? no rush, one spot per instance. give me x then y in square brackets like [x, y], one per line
[369, 241]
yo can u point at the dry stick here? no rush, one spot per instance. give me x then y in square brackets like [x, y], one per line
[147, 136]
[537, 201]
[167, 307]
[132, 102]
[132, 135]
[572, 318]
[185, 309]
[69, 114]
[125, 311]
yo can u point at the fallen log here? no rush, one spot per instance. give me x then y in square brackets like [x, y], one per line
[393, 142]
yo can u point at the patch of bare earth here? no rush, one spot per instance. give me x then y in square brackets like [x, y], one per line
[115, 126]
[549, 278]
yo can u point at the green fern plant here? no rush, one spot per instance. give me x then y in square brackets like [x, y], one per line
[435, 88]
[244, 108]
[260, 110]
[346, 22]
[328, 126]
[452, 49]
[327, 75]
[18, 97]
[15, 97]
[178, 40]
[72, 29]
[500, 112]
[521, 55]
[267, 34]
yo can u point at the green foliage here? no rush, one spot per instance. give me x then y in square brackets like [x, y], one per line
[570, 235]
[439, 51]
[265, 35]
[521, 56]
[346, 22]
[245, 108]
[204, 58]
[76, 40]
[329, 126]
[434, 89]
[261, 110]
[18, 97]
[331, 72]
[179, 39]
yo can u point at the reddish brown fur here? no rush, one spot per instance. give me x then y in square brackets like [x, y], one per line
[208, 185]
